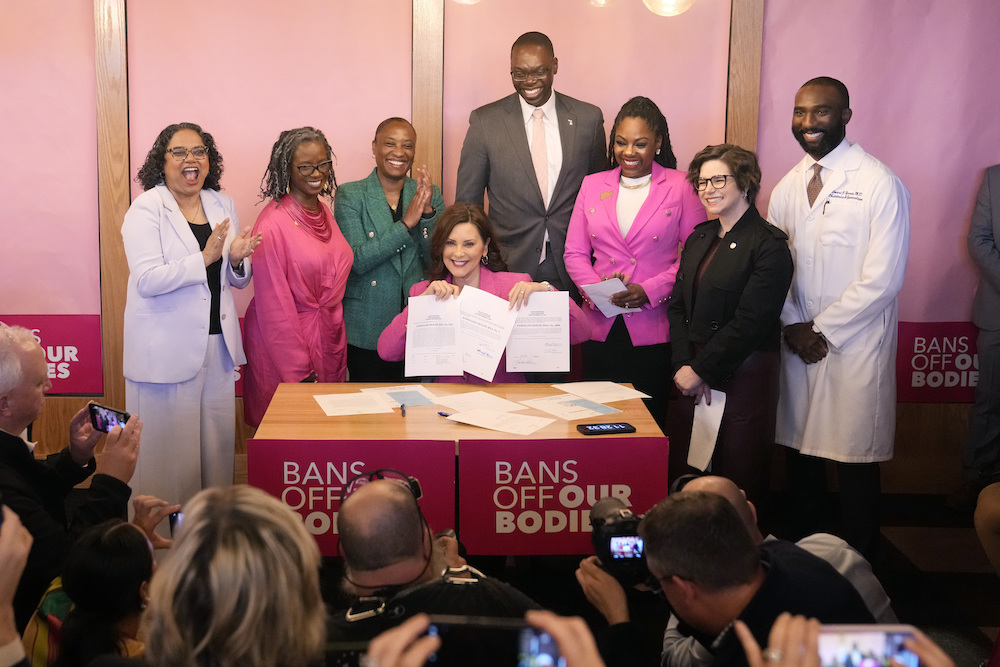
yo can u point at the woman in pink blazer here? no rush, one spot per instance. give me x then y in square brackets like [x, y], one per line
[628, 223]
[464, 252]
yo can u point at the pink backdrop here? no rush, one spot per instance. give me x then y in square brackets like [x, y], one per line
[244, 71]
[606, 55]
[49, 260]
[923, 83]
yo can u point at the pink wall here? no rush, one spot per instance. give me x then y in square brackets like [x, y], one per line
[244, 71]
[49, 259]
[606, 55]
[923, 83]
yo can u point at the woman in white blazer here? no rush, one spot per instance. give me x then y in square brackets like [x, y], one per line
[185, 253]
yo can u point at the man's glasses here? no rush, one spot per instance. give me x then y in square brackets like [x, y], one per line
[180, 153]
[718, 182]
[309, 169]
[391, 474]
[521, 75]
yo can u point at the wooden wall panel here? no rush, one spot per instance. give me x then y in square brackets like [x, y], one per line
[746, 38]
[428, 83]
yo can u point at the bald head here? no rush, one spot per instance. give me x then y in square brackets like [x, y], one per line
[379, 525]
[724, 487]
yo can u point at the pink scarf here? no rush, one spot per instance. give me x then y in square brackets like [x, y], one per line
[318, 223]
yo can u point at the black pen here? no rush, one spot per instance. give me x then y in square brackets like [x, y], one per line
[445, 414]
[824, 206]
[402, 408]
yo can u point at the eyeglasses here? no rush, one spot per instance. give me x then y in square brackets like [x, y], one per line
[521, 75]
[308, 169]
[180, 153]
[411, 483]
[718, 182]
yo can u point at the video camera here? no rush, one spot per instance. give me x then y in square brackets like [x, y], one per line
[616, 541]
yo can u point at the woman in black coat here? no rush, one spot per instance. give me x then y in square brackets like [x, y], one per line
[731, 284]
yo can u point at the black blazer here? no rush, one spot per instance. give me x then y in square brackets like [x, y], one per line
[739, 300]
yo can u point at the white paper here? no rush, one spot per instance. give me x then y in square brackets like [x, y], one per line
[539, 341]
[502, 421]
[705, 430]
[357, 403]
[420, 394]
[600, 295]
[601, 392]
[486, 325]
[570, 407]
[433, 345]
[478, 400]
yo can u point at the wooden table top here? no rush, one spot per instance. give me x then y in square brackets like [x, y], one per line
[294, 415]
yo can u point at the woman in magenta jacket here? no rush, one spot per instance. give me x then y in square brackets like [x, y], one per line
[629, 222]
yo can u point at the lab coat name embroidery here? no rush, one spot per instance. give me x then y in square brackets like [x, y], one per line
[847, 194]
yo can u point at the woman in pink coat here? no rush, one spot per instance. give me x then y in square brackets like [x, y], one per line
[294, 327]
[463, 253]
[629, 223]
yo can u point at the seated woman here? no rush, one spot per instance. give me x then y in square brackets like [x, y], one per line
[627, 224]
[731, 285]
[107, 578]
[295, 322]
[463, 252]
[388, 219]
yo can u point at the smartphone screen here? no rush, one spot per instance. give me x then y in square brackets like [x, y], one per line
[865, 645]
[491, 642]
[176, 521]
[626, 547]
[104, 418]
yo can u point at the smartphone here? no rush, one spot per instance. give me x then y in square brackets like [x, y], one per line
[104, 418]
[863, 645]
[176, 521]
[491, 642]
[605, 429]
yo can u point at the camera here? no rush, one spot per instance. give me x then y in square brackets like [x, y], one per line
[616, 541]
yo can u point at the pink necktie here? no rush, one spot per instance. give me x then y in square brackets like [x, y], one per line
[539, 156]
[815, 185]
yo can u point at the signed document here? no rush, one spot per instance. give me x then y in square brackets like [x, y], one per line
[540, 339]
[600, 391]
[600, 295]
[433, 342]
[486, 323]
[570, 407]
[502, 421]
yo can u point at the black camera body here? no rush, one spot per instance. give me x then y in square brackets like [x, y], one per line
[616, 541]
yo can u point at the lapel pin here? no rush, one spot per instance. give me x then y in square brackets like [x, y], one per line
[569, 121]
[732, 246]
[605, 195]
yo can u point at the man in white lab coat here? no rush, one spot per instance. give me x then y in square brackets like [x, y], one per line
[847, 217]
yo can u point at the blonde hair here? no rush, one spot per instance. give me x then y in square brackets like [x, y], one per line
[241, 587]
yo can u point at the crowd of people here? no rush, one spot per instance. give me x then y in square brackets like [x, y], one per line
[789, 319]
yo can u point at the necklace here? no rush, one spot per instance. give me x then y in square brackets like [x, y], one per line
[621, 180]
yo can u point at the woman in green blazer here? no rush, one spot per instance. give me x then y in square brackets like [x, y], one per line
[388, 219]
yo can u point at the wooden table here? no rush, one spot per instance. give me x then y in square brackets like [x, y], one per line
[505, 493]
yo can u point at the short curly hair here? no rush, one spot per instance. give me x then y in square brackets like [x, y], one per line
[151, 172]
[743, 164]
[278, 175]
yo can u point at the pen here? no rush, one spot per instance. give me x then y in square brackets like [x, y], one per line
[445, 414]
[402, 408]
[824, 206]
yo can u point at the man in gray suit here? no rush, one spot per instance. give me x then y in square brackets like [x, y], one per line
[532, 180]
[982, 451]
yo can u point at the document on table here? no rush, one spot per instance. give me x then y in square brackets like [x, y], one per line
[405, 394]
[486, 325]
[569, 407]
[600, 295]
[478, 400]
[705, 430]
[600, 392]
[358, 403]
[539, 341]
[433, 343]
[502, 421]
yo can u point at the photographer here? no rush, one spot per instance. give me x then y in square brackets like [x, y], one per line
[395, 568]
[37, 489]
